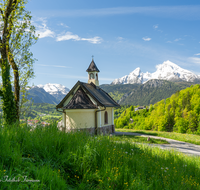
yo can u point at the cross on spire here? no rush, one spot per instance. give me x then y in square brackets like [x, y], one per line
[92, 57]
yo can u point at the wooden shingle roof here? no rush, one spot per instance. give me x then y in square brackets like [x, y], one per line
[100, 96]
[80, 101]
[92, 67]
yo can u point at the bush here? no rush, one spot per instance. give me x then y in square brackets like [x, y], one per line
[181, 125]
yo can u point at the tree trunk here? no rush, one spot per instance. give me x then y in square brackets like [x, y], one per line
[9, 110]
[16, 83]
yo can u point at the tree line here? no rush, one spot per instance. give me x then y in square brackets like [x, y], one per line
[179, 113]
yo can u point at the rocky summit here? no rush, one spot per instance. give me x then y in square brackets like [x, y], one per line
[165, 71]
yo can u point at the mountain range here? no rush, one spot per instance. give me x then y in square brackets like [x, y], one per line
[137, 88]
[144, 94]
[48, 93]
[166, 71]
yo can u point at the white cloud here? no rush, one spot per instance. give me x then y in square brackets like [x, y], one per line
[75, 37]
[169, 42]
[68, 36]
[120, 38]
[62, 24]
[155, 26]
[146, 39]
[177, 39]
[43, 30]
[197, 54]
[94, 40]
[195, 60]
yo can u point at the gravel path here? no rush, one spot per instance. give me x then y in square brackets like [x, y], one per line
[180, 146]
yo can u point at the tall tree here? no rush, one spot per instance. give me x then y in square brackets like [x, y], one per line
[17, 36]
[20, 58]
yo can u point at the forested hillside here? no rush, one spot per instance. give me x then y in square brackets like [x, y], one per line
[43, 111]
[144, 94]
[118, 90]
[179, 113]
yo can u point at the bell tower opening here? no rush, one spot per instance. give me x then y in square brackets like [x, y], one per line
[93, 73]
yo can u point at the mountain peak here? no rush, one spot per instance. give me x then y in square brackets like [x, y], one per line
[165, 71]
[57, 90]
[137, 71]
[167, 66]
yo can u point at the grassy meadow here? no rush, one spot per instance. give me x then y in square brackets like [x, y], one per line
[56, 160]
[190, 138]
[136, 139]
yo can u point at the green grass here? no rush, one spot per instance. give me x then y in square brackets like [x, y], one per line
[190, 138]
[80, 161]
[137, 139]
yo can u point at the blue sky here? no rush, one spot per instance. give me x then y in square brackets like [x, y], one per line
[122, 35]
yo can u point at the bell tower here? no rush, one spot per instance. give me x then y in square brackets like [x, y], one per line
[93, 73]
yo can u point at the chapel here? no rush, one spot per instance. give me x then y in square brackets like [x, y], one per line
[88, 107]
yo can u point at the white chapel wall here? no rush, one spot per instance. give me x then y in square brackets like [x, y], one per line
[76, 119]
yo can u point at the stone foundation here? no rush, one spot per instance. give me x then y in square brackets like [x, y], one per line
[106, 129]
[101, 130]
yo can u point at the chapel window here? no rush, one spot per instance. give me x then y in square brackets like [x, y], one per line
[106, 117]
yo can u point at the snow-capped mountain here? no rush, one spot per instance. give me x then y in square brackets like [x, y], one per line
[165, 71]
[57, 90]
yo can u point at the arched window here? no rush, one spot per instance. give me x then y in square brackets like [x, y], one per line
[91, 76]
[96, 76]
[106, 117]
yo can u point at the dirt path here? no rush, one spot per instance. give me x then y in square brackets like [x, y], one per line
[180, 146]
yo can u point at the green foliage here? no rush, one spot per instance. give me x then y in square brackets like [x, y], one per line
[116, 95]
[190, 138]
[181, 125]
[79, 161]
[179, 113]
[9, 109]
[144, 94]
[44, 112]
[17, 36]
[119, 111]
[137, 139]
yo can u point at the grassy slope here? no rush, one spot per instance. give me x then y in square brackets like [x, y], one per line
[133, 139]
[190, 138]
[79, 161]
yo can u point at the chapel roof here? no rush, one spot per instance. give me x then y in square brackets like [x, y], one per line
[80, 101]
[92, 67]
[100, 96]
